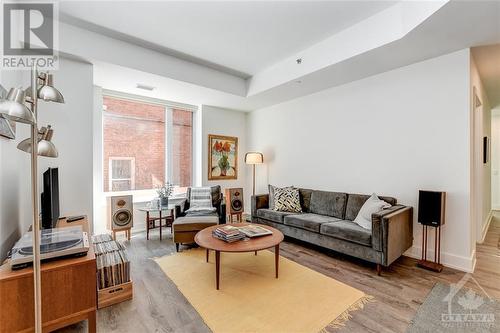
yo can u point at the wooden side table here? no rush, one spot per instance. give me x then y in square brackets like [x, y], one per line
[68, 292]
[239, 217]
[169, 217]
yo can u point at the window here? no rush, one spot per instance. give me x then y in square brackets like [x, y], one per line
[182, 147]
[156, 140]
[121, 173]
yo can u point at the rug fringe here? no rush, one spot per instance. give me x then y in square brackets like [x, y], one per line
[345, 316]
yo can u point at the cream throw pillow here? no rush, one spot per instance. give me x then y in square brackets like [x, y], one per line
[372, 205]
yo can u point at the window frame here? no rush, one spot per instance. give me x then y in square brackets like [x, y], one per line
[110, 172]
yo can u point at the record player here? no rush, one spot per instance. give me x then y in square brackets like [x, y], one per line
[54, 243]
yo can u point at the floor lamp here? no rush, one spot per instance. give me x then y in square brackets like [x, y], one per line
[15, 107]
[254, 158]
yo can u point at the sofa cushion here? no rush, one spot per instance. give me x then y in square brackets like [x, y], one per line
[328, 203]
[347, 230]
[194, 223]
[308, 221]
[305, 199]
[356, 201]
[272, 215]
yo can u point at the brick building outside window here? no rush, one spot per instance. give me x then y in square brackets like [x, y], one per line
[134, 145]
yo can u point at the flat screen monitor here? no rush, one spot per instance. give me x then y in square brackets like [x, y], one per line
[50, 198]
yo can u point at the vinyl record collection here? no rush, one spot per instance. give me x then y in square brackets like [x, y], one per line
[113, 264]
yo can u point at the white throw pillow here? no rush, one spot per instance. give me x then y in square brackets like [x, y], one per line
[372, 205]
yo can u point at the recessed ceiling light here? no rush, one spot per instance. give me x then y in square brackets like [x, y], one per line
[145, 87]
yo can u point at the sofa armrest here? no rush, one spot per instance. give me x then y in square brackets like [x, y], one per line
[392, 232]
[259, 201]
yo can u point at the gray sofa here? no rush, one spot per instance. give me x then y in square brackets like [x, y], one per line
[326, 220]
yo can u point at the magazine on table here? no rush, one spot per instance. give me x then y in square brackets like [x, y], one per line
[254, 231]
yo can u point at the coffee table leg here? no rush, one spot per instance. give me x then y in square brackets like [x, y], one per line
[277, 258]
[208, 253]
[255, 252]
[217, 268]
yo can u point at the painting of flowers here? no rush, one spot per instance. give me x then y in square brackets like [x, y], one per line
[222, 157]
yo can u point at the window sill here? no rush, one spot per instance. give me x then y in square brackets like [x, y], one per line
[141, 196]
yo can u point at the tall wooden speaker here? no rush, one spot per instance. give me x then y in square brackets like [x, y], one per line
[234, 204]
[431, 213]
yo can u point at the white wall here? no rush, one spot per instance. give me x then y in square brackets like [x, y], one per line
[481, 172]
[495, 158]
[230, 123]
[393, 134]
[13, 202]
[72, 123]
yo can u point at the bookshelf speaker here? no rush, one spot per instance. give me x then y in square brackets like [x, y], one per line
[431, 208]
[234, 200]
[121, 212]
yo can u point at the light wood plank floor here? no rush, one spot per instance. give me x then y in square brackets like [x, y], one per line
[159, 307]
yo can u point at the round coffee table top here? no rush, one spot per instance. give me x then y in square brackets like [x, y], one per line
[205, 239]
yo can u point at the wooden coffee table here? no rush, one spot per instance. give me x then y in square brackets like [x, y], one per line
[205, 239]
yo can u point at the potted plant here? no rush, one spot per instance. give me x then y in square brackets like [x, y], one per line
[164, 191]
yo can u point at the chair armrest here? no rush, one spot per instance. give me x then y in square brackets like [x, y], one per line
[392, 232]
[178, 211]
[259, 201]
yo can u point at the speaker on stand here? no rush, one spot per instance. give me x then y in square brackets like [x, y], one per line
[121, 214]
[234, 204]
[431, 213]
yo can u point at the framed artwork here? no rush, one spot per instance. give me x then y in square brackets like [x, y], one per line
[222, 157]
[7, 127]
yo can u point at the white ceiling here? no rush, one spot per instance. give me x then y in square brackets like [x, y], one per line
[240, 37]
[223, 42]
[125, 80]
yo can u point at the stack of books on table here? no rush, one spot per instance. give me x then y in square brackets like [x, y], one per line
[113, 264]
[228, 233]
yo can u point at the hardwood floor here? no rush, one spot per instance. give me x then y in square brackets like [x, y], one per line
[159, 307]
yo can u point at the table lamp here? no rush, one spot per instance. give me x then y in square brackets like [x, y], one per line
[254, 158]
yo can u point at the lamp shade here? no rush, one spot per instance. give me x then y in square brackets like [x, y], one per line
[254, 158]
[14, 109]
[48, 93]
[45, 146]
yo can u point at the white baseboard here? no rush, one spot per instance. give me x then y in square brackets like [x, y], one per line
[486, 226]
[461, 263]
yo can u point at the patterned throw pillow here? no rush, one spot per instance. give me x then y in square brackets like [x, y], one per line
[287, 200]
[271, 195]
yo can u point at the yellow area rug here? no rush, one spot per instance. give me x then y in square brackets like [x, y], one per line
[251, 299]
